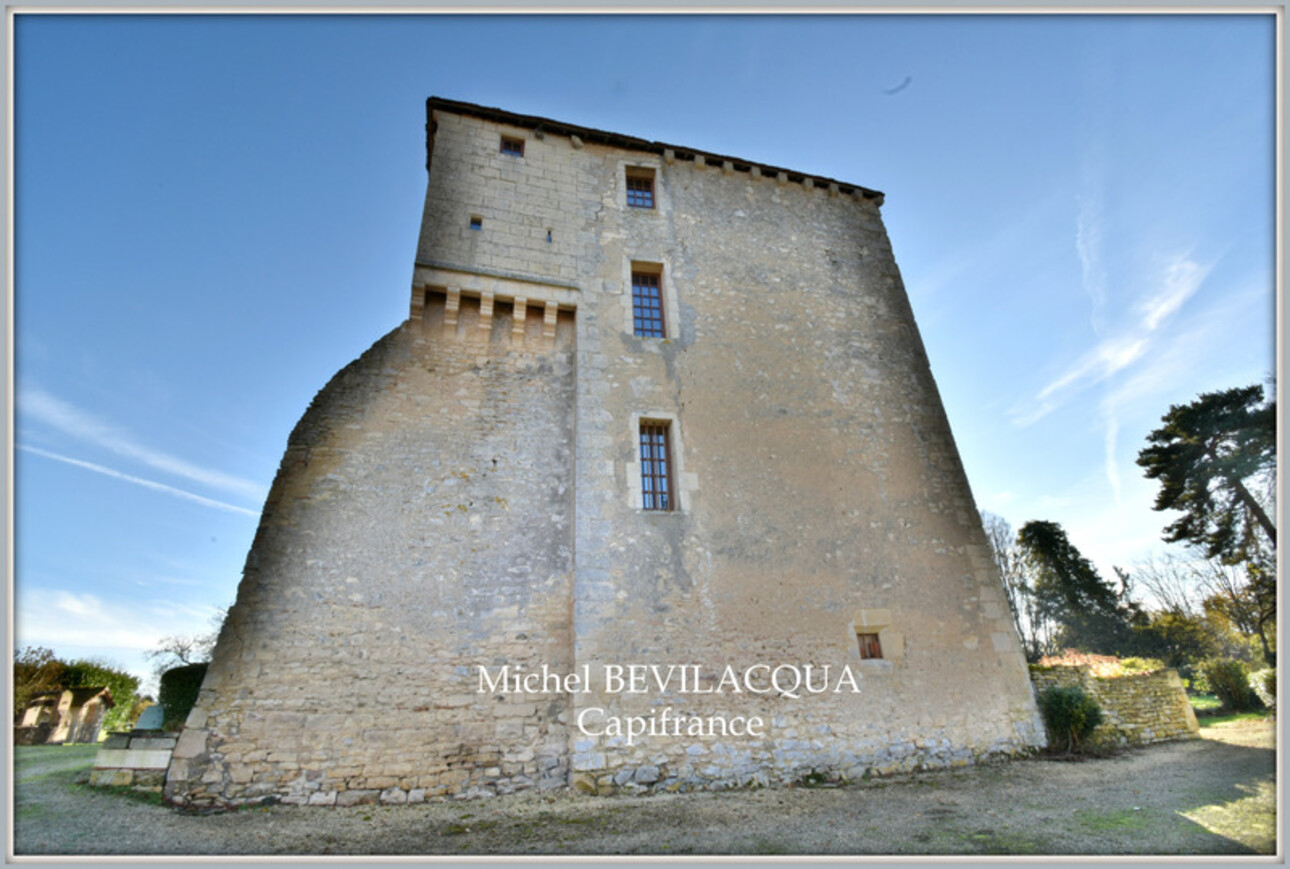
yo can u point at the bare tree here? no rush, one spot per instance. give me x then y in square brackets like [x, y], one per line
[181, 649]
[1174, 582]
[1033, 628]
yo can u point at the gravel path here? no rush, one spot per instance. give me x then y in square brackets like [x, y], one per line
[1215, 795]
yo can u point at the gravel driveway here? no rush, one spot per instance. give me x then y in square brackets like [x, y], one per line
[1215, 795]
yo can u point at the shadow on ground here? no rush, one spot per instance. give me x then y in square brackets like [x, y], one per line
[1210, 796]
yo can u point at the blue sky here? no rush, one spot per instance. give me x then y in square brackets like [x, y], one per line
[216, 213]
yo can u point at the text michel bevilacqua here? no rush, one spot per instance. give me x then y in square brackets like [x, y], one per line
[788, 681]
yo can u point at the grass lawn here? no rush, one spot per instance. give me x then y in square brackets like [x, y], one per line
[1209, 711]
[36, 761]
[1212, 720]
[1203, 703]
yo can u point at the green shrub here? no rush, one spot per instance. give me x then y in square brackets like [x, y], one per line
[1198, 682]
[1070, 715]
[1264, 684]
[1230, 683]
[178, 693]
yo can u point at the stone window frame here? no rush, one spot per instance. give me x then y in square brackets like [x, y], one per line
[658, 488]
[648, 314]
[881, 623]
[870, 645]
[640, 166]
[639, 183]
[511, 146]
[684, 483]
[667, 297]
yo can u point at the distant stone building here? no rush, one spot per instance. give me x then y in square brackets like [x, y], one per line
[73, 715]
[651, 406]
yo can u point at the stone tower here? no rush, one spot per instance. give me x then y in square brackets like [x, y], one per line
[657, 439]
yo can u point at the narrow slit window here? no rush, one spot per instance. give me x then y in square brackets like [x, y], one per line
[512, 146]
[869, 646]
[640, 188]
[656, 466]
[647, 305]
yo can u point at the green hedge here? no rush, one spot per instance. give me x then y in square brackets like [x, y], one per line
[1229, 681]
[1070, 715]
[1264, 684]
[178, 693]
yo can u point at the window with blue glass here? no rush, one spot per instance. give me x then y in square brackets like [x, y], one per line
[647, 305]
[640, 187]
[656, 466]
[512, 146]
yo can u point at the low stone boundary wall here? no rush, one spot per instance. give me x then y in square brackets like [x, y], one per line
[37, 734]
[135, 758]
[1137, 710]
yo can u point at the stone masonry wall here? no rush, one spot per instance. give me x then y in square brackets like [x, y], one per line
[467, 495]
[134, 758]
[1139, 709]
[422, 519]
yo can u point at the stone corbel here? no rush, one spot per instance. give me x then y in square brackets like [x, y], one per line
[518, 319]
[451, 310]
[548, 323]
[485, 312]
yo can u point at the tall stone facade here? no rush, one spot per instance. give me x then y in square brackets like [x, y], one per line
[652, 489]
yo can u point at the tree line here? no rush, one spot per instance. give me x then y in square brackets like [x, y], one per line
[38, 670]
[1215, 461]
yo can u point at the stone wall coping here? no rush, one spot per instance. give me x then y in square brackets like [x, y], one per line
[631, 143]
[505, 286]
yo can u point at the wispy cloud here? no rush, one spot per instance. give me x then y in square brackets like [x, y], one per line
[1181, 278]
[1108, 357]
[1088, 246]
[60, 620]
[139, 481]
[1090, 221]
[56, 617]
[39, 405]
[1112, 467]
[1177, 356]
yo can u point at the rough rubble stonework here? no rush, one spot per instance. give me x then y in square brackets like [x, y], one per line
[467, 494]
[1137, 710]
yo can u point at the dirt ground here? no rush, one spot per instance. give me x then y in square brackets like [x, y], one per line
[1209, 796]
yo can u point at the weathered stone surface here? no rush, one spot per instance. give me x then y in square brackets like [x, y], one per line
[131, 758]
[468, 494]
[1136, 710]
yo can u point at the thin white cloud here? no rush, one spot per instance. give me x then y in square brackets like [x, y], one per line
[40, 405]
[63, 620]
[1179, 356]
[1112, 469]
[1088, 246]
[139, 481]
[1112, 355]
[1182, 277]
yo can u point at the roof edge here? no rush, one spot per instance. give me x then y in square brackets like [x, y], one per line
[632, 143]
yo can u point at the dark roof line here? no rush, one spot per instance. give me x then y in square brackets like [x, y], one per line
[618, 140]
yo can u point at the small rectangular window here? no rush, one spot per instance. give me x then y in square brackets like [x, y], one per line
[656, 466]
[640, 187]
[647, 305]
[476, 222]
[869, 646]
[512, 146]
